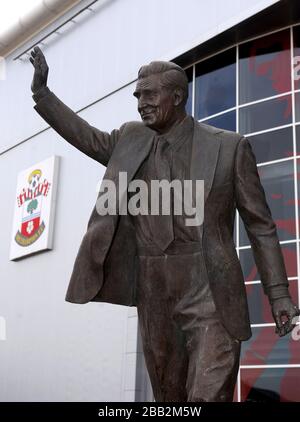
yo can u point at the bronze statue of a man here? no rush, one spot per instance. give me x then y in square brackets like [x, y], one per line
[186, 281]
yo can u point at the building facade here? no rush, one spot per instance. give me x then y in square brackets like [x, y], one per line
[241, 60]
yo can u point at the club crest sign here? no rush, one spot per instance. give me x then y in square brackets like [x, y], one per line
[30, 199]
[34, 209]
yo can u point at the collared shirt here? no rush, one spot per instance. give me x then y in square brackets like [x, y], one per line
[178, 154]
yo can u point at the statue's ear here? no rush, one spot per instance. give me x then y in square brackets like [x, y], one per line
[178, 96]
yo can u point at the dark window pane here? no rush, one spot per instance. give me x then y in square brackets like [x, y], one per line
[278, 183]
[298, 139]
[226, 121]
[259, 307]
[215, 84]
[244, 240]
[272, 145]
[265, 67]
[234, 232]
[265, 115]
[248, 265]
[297, 106]
[297, 54]
[298, 178]
[270, 384]
[265, 347]
[249, 268]
[189, 73]
[235, 394]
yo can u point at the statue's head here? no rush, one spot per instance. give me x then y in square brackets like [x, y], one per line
[162, 92]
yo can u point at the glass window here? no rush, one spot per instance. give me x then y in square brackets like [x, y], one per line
[188, 107]
[249, 268]
[226, 121]
[272, 145]
[234, 232]
[265, 67]
[235, 394]
[298, 139]
[215, 84]
[297, 106]
[265, 347]
[265, 115]
[278, 183]
[259, 307]
[270, 384]
[248, 265]
[296, 31]
[298, 179]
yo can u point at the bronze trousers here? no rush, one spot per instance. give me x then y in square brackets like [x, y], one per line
[189, 354]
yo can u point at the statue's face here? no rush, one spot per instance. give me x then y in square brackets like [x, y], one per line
[156, 103]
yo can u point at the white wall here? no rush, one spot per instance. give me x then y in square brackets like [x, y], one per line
[55, 350]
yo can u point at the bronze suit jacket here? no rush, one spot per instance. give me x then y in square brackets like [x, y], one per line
[104, 269]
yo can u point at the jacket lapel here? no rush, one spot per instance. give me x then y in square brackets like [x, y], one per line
[129, 153]
[205, 152]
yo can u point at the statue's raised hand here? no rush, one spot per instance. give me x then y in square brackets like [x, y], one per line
[41, 70]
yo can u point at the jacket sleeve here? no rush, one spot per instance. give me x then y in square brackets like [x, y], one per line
[261, 229]
[91, 141]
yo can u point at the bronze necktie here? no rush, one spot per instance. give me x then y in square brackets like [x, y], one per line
[162, 225]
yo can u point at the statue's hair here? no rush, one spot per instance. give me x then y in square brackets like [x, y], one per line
[172, 76]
